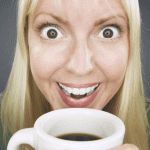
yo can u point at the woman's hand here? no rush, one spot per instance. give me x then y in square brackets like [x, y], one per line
[126, 147]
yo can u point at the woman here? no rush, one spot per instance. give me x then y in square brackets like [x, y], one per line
[77, 54]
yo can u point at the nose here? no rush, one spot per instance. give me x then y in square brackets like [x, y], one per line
[80, 62]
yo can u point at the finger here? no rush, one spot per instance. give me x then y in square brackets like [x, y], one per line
[126, 147]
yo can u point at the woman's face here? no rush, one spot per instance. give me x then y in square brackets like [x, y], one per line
[86, 51]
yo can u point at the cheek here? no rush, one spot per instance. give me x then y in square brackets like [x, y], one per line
[46, 60]
[112, 60]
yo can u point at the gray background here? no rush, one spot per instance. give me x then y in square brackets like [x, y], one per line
[8, 11]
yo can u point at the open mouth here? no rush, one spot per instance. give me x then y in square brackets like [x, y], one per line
[78, 93]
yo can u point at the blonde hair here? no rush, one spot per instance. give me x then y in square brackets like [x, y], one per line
[23, 102]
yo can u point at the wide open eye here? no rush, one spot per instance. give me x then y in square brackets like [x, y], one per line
[51, 33]
[109, 32]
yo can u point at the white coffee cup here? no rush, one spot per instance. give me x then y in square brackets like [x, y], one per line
[43, 136]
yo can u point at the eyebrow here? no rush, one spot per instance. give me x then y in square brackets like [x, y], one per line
[119, 16]
[52, 15]
[99, 22]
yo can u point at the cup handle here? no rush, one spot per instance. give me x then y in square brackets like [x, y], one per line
[24, 136]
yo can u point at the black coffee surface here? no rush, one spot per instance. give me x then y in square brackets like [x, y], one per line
[79, 137]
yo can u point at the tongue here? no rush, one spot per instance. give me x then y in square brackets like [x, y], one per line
[77, 96]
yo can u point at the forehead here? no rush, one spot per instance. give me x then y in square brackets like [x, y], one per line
[83, 9]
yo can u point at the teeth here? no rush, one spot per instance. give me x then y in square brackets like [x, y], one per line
[90, 92]
[88, 89]
[78, 91]
[82, 91]
[69, 90]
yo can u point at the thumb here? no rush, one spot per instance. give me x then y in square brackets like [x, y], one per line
[126, 147]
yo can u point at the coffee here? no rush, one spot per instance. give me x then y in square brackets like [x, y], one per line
[79, 137]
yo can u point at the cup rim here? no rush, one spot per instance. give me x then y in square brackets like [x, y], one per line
[40, 121]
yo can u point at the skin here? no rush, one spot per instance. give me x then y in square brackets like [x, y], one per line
[81, 55]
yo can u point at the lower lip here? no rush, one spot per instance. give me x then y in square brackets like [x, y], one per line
[82, 102]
